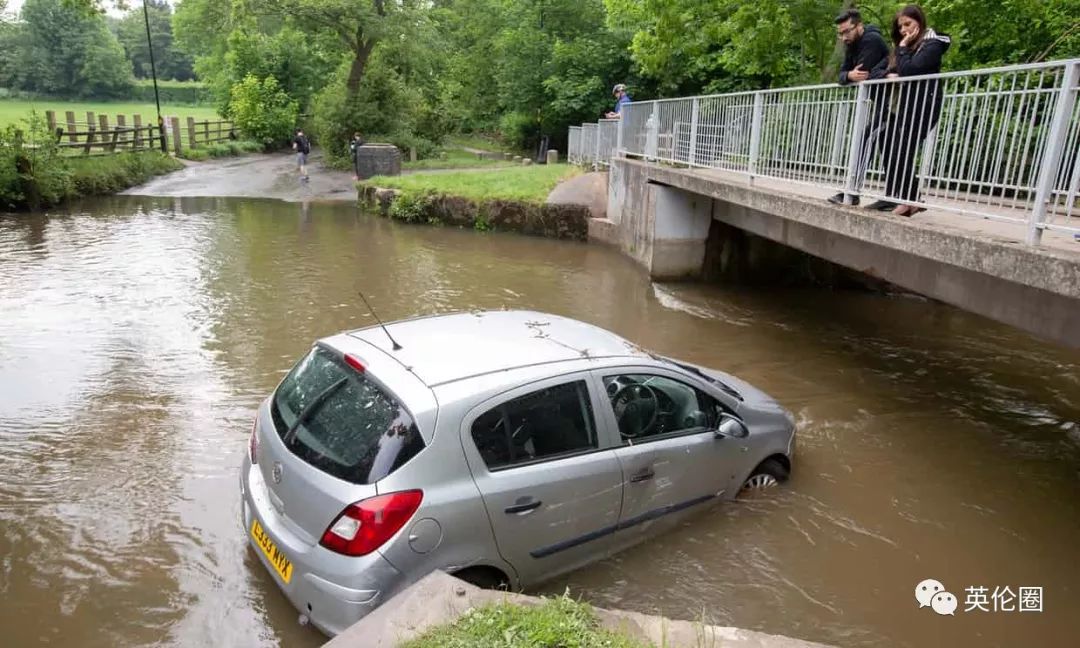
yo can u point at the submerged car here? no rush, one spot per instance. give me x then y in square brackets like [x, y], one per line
[505, 447]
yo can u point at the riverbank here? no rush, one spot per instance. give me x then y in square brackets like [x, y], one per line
[55, 181]
[440, 610]
[511, 199]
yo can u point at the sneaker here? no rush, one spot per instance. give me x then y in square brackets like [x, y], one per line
[838, 199]
[882, 205]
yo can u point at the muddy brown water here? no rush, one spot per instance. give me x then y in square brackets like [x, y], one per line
[138, 334]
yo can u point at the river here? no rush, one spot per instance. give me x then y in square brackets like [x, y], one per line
[137, 335]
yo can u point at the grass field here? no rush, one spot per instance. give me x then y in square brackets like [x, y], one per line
[13, 111]
[527, 183]
[479, 142]
[455, 159]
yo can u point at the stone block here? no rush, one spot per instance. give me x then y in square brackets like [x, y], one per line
[378, 159]
[552, 156]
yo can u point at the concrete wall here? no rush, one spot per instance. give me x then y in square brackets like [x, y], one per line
[654, 216]
[664, 228]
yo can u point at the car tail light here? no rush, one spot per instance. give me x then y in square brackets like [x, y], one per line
[366, 525]
[253, 443]
[354, 362]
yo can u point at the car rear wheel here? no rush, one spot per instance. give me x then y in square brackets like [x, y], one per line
[485, 578]
[768, 474]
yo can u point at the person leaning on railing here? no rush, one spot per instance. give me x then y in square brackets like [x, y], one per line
[864, 52]
[917, 105]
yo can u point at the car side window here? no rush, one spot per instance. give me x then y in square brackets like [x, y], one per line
[649, 405]
[546, 423]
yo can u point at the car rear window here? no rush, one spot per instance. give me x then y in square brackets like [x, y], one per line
[354, 430]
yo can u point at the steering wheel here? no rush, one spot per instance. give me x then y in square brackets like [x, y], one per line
[634, 395]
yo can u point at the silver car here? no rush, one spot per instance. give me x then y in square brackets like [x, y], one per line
[505, 447]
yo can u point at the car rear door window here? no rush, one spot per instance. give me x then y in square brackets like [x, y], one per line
[649, 405]
[551, 422]
[354, 430]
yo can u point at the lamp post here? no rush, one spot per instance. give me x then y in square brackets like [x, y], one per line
[153, 73]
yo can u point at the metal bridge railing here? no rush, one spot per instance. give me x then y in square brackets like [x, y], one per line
[1001, 143]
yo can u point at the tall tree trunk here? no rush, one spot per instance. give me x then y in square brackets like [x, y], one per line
[356, 72]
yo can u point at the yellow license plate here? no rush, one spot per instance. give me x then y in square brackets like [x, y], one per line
[277, 558]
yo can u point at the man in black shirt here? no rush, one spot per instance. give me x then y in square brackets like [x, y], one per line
[865, 57]
[302, 145]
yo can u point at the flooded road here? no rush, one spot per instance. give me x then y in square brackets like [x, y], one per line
[137, 337]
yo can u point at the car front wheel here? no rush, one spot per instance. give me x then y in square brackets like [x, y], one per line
[768, 474]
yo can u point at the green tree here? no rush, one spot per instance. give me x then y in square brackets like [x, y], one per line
[65, 52]
[263, 110]
[359, 25]
[170, 62]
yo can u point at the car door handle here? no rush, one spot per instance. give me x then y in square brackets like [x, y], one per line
[644, 475]
[523, 508]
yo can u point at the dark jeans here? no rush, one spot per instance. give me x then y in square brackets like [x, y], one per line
[903, 138]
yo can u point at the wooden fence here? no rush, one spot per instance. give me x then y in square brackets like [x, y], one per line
[98, 135]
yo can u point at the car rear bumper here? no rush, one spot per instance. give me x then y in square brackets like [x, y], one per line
[333, 591]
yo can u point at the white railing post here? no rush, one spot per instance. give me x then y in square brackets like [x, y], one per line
[652, 133]
[862, 107]
[624, 116]
[693, 131]
[596, 148]
[755, 134]
[1055, 146]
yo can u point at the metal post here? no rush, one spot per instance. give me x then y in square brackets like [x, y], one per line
[862, 107]
[1055, 146]
[153, 73]
[652, 134]
[755, 134]
[694, 107]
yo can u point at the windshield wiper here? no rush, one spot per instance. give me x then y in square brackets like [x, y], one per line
[311, 408]
[698, 372]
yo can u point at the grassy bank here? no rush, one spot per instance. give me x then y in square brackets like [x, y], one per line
[221, 149]
[454, 158]
[13, 111]
[60, 179]
[529, 184]
[478, 142]
[557, 622]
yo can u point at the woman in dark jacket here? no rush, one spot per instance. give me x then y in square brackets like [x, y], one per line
[919, 51]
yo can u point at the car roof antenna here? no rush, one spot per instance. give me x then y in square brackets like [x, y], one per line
[397, 347]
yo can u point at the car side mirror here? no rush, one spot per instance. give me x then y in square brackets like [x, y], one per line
[732, 427]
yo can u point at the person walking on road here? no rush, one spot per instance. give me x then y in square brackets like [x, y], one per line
[865, 57]
[302, 145]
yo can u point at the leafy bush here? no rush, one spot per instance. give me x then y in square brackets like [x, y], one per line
[262, 110]
[519, 130]
[411, 208]
[32, 172]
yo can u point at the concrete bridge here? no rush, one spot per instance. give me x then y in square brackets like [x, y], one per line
[697, 186]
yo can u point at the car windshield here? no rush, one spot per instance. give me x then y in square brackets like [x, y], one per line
[338, 420]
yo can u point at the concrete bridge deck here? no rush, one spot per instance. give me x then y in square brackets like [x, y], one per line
[662, 216]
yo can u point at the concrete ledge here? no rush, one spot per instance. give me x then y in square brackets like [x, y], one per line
[1037, 267]
[603, 231]
[439, 598]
